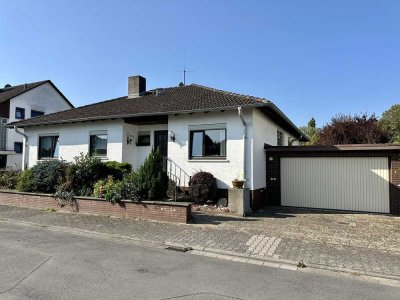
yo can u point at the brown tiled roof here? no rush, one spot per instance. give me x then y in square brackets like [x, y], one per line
[188, 98]
[8, 93]
[174, 100]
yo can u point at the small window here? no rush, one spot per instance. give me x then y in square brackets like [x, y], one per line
[36, 113]
[98, 144]
[19, 113]
[143, 138]
[208, 143]
[18, 147]
[48, 147]
[279, 138]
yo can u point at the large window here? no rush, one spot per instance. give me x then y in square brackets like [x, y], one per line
[19, 113]
[98, 143]
[279, 138]
[209, 143]
[48, 147]
[36, 113]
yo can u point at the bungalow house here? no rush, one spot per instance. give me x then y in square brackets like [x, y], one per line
[195, 127]
[20, 102]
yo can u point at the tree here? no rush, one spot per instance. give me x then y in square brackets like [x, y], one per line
[390, 122]
[357, 129]
[312, 132]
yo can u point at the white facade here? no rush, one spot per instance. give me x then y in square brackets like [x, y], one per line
[43, 98]
[74, 139]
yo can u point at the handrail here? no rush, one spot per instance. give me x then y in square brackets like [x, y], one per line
[176, 174]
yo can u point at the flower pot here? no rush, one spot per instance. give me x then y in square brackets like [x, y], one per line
[238, 184]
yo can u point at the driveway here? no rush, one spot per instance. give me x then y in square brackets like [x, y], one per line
[369, 231]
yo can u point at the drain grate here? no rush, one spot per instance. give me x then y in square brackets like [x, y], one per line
[178, 248]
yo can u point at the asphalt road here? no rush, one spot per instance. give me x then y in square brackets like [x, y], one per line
[44, 263]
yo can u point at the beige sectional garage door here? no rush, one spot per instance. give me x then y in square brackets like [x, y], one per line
[345, 183]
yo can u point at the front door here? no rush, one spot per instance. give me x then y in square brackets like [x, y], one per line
[161, 141]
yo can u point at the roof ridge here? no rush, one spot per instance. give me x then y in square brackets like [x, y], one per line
[230, 93]
[36, 82]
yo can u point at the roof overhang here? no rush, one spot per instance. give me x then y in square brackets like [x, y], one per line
[334, 150]
[271, 110]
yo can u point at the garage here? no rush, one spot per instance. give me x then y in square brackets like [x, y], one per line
[347, 177]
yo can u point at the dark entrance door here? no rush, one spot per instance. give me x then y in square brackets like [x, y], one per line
[273, 180]
[161, 141]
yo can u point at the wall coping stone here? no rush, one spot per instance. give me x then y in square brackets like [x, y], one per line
[167, 203]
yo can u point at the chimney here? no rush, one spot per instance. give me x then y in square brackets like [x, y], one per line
[136, 86]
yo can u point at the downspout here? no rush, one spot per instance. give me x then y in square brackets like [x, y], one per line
[244, 143]
[24, 152]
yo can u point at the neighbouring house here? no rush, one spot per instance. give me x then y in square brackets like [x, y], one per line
[195, 127]
[21, 102]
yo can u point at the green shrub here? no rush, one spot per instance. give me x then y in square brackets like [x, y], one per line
[84, 173]
[116, 169]
[24, 183]
[131, 187]
[9, 179]
[152, 177]
[109, 189]
[203, 187]
[46, 175]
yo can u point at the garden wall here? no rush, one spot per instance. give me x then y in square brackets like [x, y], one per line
[149, 210]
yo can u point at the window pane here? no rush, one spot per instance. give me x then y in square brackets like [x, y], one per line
[48, 147]
[197, 143]
[143, 138]
[36, 113]
[19, 113]
[214, 142]
[98, 144]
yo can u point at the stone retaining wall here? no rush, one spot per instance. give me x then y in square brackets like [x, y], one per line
[149, 210]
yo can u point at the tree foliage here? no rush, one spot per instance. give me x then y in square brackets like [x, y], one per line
[390, 122]
[357, 129]
[312, 132]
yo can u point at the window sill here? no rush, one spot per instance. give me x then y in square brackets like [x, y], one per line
[216, 160]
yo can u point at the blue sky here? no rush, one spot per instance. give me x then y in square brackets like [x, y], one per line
[313, 58]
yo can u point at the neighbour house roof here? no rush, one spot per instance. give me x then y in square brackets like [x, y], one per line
[10, 92]
[175, 100]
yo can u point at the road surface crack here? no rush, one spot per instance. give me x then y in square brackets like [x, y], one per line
[25, 277]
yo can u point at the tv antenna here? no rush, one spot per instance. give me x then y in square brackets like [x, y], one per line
[184, 71]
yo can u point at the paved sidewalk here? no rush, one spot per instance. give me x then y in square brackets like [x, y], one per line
[242, 236]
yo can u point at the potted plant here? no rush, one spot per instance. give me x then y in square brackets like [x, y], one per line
[238, 183]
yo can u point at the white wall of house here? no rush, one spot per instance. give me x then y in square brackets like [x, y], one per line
[133, 154]
[224, 170]
[42, 98]
[265, 132]
[74, 139]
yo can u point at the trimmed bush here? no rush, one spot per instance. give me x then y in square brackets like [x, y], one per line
[9, 179]
[84, 173]
[116, 169]
[152, 177]
[131, 187]
[24, 183]
[203, 187]
[46, 175]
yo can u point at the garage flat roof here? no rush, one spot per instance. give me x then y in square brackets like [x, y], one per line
[333, 148]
